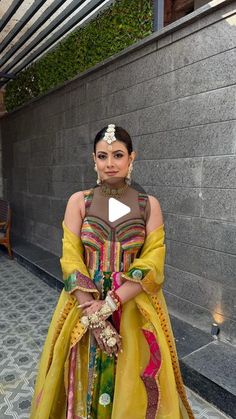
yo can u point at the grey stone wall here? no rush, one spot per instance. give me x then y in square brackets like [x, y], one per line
[175, 93]
[1, 181]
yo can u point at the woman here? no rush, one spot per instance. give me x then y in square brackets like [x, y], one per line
[110, 352]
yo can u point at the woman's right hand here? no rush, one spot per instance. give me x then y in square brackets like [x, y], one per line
[102, 345]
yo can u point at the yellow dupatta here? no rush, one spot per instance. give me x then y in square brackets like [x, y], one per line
[147, 311]
[49, 400]
[151, 304]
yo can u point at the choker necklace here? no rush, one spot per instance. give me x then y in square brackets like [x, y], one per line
[113, 192]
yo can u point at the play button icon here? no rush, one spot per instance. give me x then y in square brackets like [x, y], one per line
[116, 209]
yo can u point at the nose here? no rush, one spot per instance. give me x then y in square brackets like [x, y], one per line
[110, 161]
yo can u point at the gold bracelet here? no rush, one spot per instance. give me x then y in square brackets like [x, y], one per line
[97, 319]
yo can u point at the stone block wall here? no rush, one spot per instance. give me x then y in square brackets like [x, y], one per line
[175, 93]
[1, 179]
[2, 112]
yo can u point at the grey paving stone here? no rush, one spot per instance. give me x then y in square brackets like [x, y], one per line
[211, 139]
[64, 190]
[222, 32]
[204, 108]
[232, 331]
[21, 153]
[46, 230]
[51, 265]
[188, 338]
[219, 172]
[30, 252]
[219, 204]
[75, 116]
[40, 158]
[195, 289]
[202, 409]
[216, 266]
[20, 176]
[145, 68]
[199, 316]
[216, 361]
[177, 200]
[71, 137]
[211, 234]
[228, 302]
[77, 94]
[169, 172]
[58, 207]
[187, 81]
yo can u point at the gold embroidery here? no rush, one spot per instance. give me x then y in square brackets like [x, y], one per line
[60, 322]
[174, 358]
[77, 333]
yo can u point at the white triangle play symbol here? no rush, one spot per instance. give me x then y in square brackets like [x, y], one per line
[116, 209]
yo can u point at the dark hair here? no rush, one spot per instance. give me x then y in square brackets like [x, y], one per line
[120, 134]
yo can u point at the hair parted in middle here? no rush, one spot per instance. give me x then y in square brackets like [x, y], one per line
[121, 135]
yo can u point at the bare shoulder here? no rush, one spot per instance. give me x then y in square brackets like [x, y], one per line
[77, 198]
[75, 212]
[154, 203]
[155, 218]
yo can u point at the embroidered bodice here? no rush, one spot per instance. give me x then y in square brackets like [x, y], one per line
[112, 246]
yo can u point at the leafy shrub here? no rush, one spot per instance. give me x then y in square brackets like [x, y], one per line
[114, 29]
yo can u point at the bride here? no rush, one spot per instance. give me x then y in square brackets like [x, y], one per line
[110, 351]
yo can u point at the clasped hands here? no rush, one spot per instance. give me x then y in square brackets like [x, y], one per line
[95, 314]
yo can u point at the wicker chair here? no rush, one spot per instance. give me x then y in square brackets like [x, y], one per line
[5, 225]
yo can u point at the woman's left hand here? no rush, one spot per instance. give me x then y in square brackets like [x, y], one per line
[90, 307]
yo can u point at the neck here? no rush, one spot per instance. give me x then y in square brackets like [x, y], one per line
[114, 185]
[113, 190]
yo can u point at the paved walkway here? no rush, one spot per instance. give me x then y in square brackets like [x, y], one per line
[26, 307]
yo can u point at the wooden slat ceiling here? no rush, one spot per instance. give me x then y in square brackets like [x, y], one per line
[30, 28]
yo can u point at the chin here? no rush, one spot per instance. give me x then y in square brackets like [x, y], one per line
[110, 180]
[113, 179]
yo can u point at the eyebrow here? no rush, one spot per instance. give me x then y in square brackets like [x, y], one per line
[116, 151]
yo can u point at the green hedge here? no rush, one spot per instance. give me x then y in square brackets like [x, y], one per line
[114, 29]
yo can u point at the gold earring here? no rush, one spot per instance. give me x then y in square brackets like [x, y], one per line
[98, 177]
[128, 176]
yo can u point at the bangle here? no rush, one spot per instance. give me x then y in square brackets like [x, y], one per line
[115, 297]
[112, 304]
[106, 310]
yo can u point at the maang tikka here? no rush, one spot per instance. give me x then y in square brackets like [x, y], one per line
[109, 136]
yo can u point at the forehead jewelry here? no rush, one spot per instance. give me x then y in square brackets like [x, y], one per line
[109, 136]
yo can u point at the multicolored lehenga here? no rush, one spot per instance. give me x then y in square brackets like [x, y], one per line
[75, 378]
